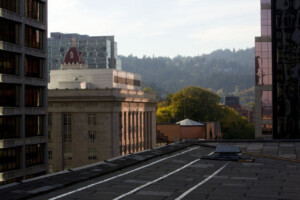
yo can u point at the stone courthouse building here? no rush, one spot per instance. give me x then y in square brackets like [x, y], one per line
[96, 114]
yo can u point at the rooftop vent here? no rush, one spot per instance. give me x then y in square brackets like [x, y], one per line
[227, 153]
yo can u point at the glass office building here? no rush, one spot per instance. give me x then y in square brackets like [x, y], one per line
[98, 51]
[286, 68]
[23, 89]
[263, 75]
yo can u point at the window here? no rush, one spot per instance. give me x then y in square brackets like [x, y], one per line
[49, 127]
[34, 38]
[34, 9]
[9, 31]
[9, 127]
[50, 154]
[266, 105]
[10, 159]
[92, 136]
[34, 125]
[68, 153]
[67, 127]
[92, 154]
[34, 155]
[9, 95]
[92, 119]
[33, 96]
[34, 67]
[11, 5]
[9, 63]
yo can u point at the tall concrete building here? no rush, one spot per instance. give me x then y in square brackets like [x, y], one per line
[96, 114]
[23, 94]
[98, 51]
[263, 75]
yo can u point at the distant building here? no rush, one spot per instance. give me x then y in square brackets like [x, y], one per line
[23, 89]
[232, 100]
[189, 129]
[74, 74]
[96, 114]
[97, 51]
[234, 103]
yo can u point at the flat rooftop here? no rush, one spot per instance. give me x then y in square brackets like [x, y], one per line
[177, 171]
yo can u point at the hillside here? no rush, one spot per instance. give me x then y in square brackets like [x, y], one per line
[225, 71]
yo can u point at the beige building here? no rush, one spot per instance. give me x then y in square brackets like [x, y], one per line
[93, 116]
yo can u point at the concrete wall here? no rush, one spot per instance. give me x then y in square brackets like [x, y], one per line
[172, 131]
[192, 132]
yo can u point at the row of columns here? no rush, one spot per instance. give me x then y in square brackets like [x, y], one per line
[135, 132]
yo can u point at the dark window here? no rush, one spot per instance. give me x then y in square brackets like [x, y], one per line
[34, 38]
[34, 67]
[67, 127]
[50, 154]
[92, 136]
[34, 10]
[9, 159]
[11, 5]
[267, 129]
[92, 154]
[9, 127]
[68, 153]
[33, 125]
[34, 155]
[9, 95]
[33, 96]
[8, 31]
[9, 63]
[266, 104]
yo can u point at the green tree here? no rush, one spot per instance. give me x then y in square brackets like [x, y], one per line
[195, 103]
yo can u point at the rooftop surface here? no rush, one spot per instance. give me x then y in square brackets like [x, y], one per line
[177, 172]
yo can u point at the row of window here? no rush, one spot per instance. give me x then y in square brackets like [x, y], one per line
[9, 32]
[68, 154]
[11, 5]
[33, 8]
[10, 95]
[127, 81]
[9, 63]
[10, 126]
[10, 158]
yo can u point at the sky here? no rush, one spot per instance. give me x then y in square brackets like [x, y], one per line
[161, 27]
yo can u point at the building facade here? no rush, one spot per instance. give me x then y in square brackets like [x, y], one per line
[91, 125]
[98, 51]
[263, 114]
[23, 89]
[286, 68]
[96, 114]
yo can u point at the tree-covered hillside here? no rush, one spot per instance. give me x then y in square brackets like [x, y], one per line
[226, 71]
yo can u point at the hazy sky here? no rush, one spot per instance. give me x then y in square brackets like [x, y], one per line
[161, 27]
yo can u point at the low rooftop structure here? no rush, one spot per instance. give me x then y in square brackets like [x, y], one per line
[176, 172]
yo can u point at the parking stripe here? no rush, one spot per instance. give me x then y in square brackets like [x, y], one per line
[120, 175]
[202, 182]
[156, 180]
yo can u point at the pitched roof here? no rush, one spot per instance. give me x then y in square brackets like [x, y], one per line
[189, 122]
[73, 56]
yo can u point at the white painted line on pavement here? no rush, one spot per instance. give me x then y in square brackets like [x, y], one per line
[156, 180]
[201, 183]
[120, 175]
